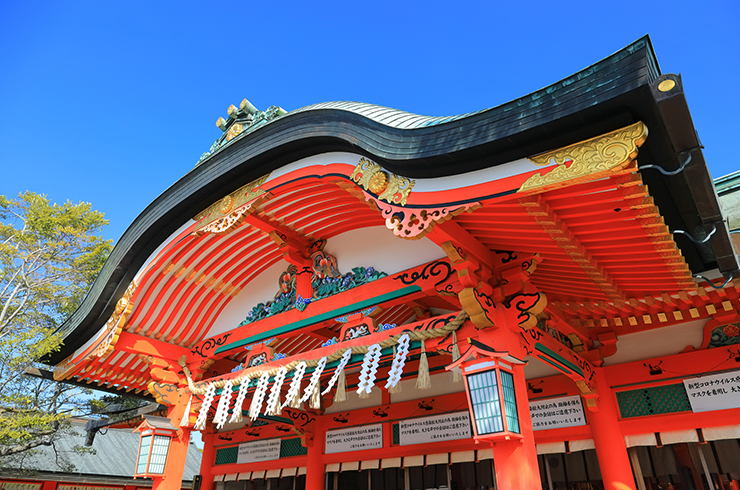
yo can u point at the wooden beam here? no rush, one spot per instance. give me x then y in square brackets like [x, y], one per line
[539, 209]
[137, 344]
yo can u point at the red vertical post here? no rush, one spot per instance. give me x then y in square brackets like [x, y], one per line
[175, 465]
[515, 461]
[315, 477]
[207, 462]
[49, 485]
[614, 463]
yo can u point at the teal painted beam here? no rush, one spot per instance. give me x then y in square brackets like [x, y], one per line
[306, 322]
[558, 358]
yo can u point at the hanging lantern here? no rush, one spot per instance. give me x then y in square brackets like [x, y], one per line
[154, 446]
[489, 385]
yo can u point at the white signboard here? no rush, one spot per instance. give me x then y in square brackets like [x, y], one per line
[556, 413]
[715, 392]
[251, 452]
[354, 439]
[435, 428]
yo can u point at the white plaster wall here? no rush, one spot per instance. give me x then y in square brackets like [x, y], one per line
[657, 342]
[538, 369]
[375, 246]
[442, 384]
[259, 290]
[354, 402]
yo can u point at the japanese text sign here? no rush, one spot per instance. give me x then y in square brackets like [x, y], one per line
[556, 413]
[435, 428]
[714, 392]
[354, 439]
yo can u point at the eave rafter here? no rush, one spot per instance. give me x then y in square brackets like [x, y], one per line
[649, 312]
[543, 214]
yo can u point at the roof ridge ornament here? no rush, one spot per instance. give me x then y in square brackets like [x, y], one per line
[244, 119]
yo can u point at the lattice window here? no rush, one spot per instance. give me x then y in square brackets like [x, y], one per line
[292, 447]
[227, 455]
[653, 401]
[512, 415]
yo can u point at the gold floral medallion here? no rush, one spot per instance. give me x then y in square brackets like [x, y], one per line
[378, 182]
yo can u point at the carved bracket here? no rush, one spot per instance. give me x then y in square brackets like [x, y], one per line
[227, 214]
[384, 185]
[587, 160]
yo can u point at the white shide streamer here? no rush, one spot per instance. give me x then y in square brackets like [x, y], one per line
[295, 385]
[222, 412]
[345, 359]
[273, 401]
[236, 415]
[313, 384]
[200, 422]
[394, 375]
[259, 396]
[369, 369]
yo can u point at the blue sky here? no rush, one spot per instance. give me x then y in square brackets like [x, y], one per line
[112, 102]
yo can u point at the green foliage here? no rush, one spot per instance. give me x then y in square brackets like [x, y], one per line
[49, 256]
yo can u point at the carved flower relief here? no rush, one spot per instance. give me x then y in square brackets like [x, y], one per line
[724, 335]
[378, 182]
[225, 204]
[234, 131]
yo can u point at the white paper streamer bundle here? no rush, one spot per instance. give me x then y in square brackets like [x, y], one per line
[185, 421]
[394, 375]
[222, 412]
[340, 368]
[273, 401]
[291, 399]
[236, 415]
[259, 396]
[369, 369]
[314, 383]
[200, 422]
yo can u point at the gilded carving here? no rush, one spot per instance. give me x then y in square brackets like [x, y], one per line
[107, 337]
[226, 214]
[234, 131]
[607, 153]
[386, 186]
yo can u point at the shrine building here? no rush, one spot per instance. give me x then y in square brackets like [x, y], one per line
[542, 294]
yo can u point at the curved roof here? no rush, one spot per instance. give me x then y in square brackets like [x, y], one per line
[387, 116]
[610, 94]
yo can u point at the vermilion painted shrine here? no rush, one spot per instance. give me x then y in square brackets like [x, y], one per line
[537, 295]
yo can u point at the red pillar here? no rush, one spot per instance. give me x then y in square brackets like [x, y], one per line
[175, 466]
[49, 485]
[315, 478]
[515, 461]
[207, 462]
[611, 450]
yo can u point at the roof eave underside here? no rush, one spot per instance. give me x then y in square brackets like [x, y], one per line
[604, 97]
